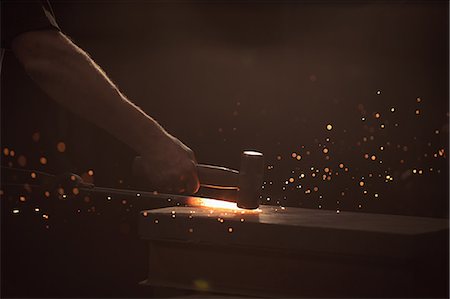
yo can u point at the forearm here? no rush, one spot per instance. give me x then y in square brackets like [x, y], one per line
[69, 76]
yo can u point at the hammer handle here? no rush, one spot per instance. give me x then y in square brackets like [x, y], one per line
[210, 176]
[217, 177]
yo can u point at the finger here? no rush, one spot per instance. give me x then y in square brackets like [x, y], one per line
[192, 183]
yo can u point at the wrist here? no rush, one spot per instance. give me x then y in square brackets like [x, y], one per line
[151, 137]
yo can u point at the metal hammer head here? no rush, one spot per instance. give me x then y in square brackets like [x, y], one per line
[250, 179]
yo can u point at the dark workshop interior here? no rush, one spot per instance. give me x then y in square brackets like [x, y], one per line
[347, 100]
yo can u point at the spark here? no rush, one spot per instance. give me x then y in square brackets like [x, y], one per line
[22, 160]
[36, 136]
[61, 147]
[329, 127]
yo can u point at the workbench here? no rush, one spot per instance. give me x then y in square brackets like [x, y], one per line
[293, 252]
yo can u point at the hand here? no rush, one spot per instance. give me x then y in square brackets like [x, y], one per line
[170, 166]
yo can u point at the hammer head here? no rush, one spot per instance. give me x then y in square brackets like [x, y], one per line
[250, 179]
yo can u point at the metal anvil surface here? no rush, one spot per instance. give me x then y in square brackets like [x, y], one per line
[296, 252]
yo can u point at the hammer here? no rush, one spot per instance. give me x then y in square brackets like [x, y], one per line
[247, 182]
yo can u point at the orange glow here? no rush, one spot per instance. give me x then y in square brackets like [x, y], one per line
[22, 160]
[213, 203]
[36, 136]
[218, 204]
[43, 160]
[61, 147]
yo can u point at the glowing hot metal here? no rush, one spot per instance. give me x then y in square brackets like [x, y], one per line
[218, 204]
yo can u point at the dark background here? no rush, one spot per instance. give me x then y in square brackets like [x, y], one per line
[224, 77]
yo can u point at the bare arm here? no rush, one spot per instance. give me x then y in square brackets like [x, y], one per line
[69, 76]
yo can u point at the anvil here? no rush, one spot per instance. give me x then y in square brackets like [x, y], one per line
[284, 252]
